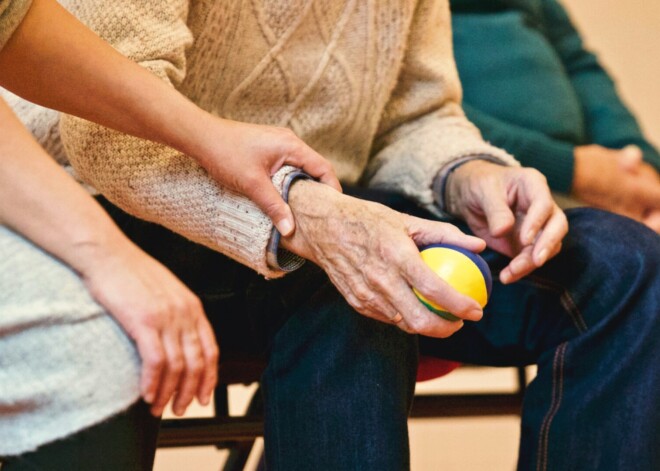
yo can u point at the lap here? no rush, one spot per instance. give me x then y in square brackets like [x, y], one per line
[521, 320]
[64, 363]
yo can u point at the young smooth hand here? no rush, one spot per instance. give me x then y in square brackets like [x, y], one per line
[511, 208]
[165, 319]
[244, 157]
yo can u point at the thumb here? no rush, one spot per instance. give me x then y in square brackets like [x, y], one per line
[271, 203]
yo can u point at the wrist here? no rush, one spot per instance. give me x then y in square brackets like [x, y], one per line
[442, 191]
[96, 249]
[278, 256]
[200, 135]
[312, 204]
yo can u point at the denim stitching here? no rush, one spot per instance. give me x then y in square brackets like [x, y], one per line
[557, 392]
[565, 299]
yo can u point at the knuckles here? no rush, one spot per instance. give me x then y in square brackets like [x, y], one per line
[175, 365]
[154, 361]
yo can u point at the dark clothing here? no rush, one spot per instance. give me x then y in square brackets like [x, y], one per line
[338, 386]
[125, 442]
[534, 90]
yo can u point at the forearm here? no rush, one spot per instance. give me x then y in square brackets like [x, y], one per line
[40, 201]
[71, 69]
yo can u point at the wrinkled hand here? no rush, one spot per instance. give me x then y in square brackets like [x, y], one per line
[244, 157]
[618, 181]
[165, 319]
[370, 254]
[511, 208]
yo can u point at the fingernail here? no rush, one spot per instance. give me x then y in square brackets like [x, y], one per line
[149, 397]
[205, 400]
[476, 313]
[285, 227]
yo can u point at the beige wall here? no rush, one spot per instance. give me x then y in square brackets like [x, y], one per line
[626, 36]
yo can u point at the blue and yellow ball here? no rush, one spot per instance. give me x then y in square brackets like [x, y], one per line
[462, 269]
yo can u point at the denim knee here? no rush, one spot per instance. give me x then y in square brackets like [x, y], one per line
[617, 259]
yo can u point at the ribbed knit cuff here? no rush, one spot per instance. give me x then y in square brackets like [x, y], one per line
[278, 258]
[442, 178]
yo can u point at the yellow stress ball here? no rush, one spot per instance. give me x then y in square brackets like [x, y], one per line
[463, 270]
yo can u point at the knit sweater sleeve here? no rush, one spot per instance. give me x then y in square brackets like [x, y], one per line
[608, 120]
[152, 181]
[12, 13]
[424, 127]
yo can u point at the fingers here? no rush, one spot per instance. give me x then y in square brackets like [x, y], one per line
[399, 306]
[546, 246]
[191, 365]
[192, 372]
[436, 290]
[312, 163]
[399, 298]
[499, 216]
[172, 375]
[211, 354]
[319, 168]
[425, 232]
[293, 152]
[550, 238]
[537, 216]
[152, 354]
[166, 320]
[264, 195]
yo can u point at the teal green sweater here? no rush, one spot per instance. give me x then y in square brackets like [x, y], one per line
[533, 89]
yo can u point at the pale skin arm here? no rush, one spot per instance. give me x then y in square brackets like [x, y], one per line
[82, 75]
[370, 254]
[174, 339]
[54, 60]
[618, 181]
[511, 208]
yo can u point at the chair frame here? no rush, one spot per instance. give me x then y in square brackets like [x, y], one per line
[238, 433]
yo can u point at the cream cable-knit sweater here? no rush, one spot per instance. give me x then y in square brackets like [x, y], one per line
[369, 84]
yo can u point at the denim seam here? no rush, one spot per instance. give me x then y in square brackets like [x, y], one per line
[557, 392]
[565, 299]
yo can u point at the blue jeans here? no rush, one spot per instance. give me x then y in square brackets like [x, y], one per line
[338, 386]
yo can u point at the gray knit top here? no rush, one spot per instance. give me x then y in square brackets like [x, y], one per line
[65, 364]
